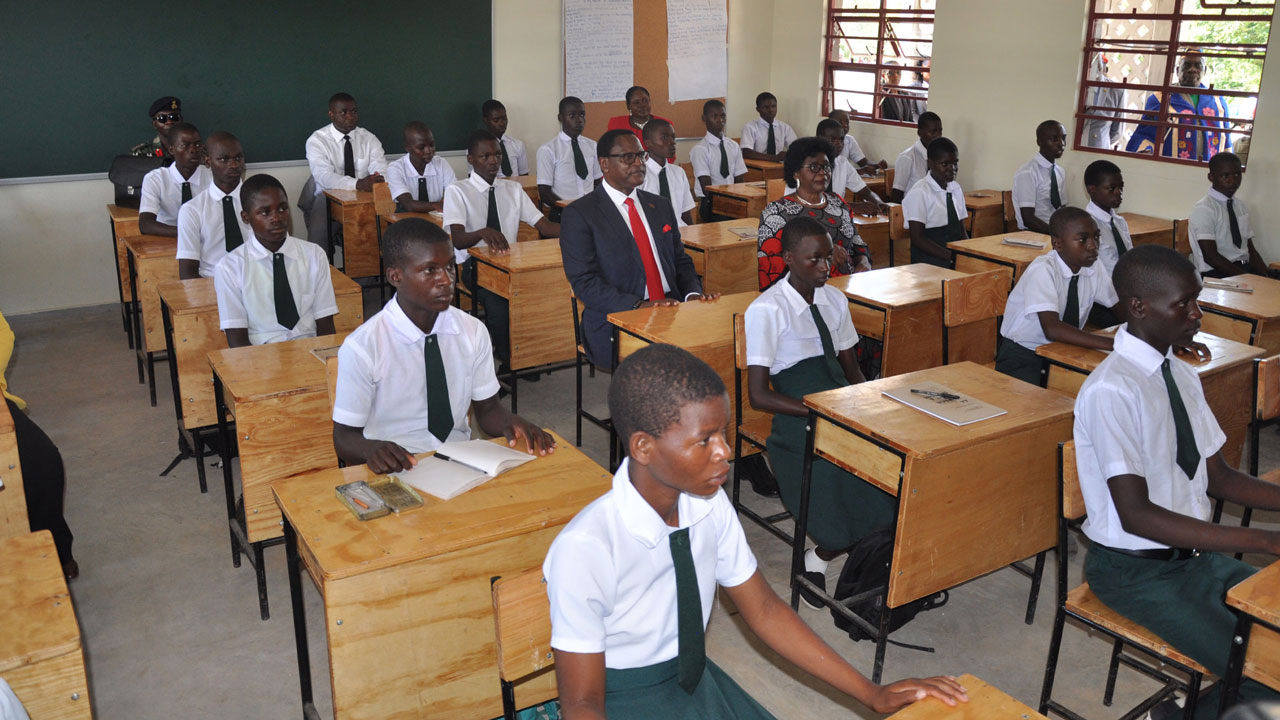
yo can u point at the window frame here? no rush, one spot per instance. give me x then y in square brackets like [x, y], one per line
[832, 37]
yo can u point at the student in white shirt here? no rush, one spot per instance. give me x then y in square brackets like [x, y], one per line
[1148, 453]
[844, 176]
[1052, 299]
[203, 238]
[852, 151]
[913, 163]
[327, 157]
[167, 188]
[274, 287]
[632, 578]
[934, 207]
[662, 177]
[1105, 186]
[389, 368]
[567, 169]
[767, 137]
[1219, 249]
[418, 179]
[493, 115]
[717, 160]
[1040, 186]
[471, 222]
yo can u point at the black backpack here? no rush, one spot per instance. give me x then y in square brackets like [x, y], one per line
[866, 569]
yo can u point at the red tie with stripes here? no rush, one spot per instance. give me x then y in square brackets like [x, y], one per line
[652, 279]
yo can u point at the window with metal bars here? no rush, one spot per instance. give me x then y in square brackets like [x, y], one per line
[877, 58]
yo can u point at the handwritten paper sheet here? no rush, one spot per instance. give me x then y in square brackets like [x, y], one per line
[697, 49]
[598, 49]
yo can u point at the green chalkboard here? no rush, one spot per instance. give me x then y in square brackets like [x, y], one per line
[79, 75]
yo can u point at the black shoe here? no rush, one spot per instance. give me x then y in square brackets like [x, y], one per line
[762, 481]
[1166, 709]
[807, 596]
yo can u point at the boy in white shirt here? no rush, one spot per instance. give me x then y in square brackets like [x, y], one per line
[493, 114]
[844, 176]
[666, 178]
[717, 160]
[167, 188]
[342, 156]
[1040, 186]
[767, 137]
[913, 163]
[567, 168]
[418, 179]
[1105, 186]
[1219, 229]
[934, 208]
[852, 151]
[210, 226]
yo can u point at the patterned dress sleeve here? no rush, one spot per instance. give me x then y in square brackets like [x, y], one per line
[769, 244]
[848, 232]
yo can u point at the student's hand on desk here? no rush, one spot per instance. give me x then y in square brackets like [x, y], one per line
[889, 698]
[496, 241]
[388, 457]
[536, 440]
[1199, 349]
[708, 297]
[365, 184]
[869, 209]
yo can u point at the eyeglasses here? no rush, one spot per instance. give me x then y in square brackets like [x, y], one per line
[169, 118]
[819, 168]
[630, 158]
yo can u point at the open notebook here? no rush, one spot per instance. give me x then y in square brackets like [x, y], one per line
[459, 466]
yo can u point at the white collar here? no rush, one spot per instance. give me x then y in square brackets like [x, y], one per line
[428, 170]
[409, 333]
[1040, 161]
[290, 249]
[617, 196]
[1138, 351]
[1218, 196]
[641, 520]
[920, 148]
[933, 185]
[176, 176]
[1065, 270]
[337, 134]
[766, 124]
[712, 139]
[479, 182]
[565, 137]
[1095, 210]
[792, 298]
[654, 166]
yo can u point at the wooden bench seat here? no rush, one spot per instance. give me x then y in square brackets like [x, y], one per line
[1081, 601]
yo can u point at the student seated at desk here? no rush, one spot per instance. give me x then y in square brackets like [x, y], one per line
[852, 151]
[167, 188]
[1105, 186]
[716, 160]
[1148, 452]
[493, 114]
[934, 207]
[1051, 301]
[844, 176]
[409, 375]
[632, 578]
[662, 177]
[342, 156]
[481, 211]
[418, 179]
[274, 287]
[566, 166]
[913, 163]
[1220, 232]
[1040, 186]
[800, 340]
[766, 137]
[211, 225]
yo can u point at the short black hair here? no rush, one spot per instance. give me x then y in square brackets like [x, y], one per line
[927, 117]
[568, 100]
[828, 124]
[652, 127]
[1147, 267]
[478, 136]
[1064, 216]
[397, 239]
[939, 147]
[633, 90]
[1097, 170]
[179, 127]
[801, 150]
[1217, 163]
[832, 115]
[221, 136]
[766, 95]
[609, 140]
[489, 106]
[1046, 126]
[415, 126]
[708, 105]
[799, 228]
[256, 184]
[652, 386]
[340, 97]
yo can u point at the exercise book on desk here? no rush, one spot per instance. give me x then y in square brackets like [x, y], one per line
[1227, 284]
[1019, 242]
[459, 466]
[944, 403]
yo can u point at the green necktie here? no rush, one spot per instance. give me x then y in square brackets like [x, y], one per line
[664, 187]
[1236, 239]
[724, 160]
[1188, 456]
[1115, 235]
[953, 218]
[422, 190]
[231, 225]
[439, 411]
[286, 309]
[771, 144]
[491, 220]
[506, 161]
[828, 348]
[693, 652]
[1071, 315]
[1055, 197]
[186, 192]
[579, 162]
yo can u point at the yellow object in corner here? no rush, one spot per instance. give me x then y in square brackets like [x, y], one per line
[6, 352]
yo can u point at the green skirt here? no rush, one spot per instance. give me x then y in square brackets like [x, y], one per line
[652, 692]
[842, 508]
[941, 235]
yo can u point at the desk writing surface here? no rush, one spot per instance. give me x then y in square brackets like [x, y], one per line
[146, 247]
[259, 372]
[986, 702]
[1226, 354]
[690, 325]
[1142, 225]
[716, 235]
[1259, 595]
[1261, 304]
[896, 286]
[349, 197]
[993, 246]
[523, 256]
[119, 214]
[982, 199]
[743, 190]
[34, 599]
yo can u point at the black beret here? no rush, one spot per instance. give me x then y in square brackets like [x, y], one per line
[168, 102]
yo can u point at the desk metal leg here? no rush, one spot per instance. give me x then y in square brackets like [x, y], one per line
[137, 316]
[225, 440]
[124, 310]
[299, 619]
[802, 518]
[1235, 663]
[237, 526]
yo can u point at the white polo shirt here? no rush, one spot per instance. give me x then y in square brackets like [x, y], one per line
[382, 376]
[1031, 188]
[1043, 287]
[677, 183]
[514, 149]
[1108, 254]
[555, 166]
[911, 165]
[780, 328]
[325, 153]
[1209, 221]
[1124, 426]
[845, 177]
[926, 202]
[245, 283]
[705, 157]
[162, 191]
[201, 234]
[611, 580]
[755, 135]
[466, 203]
[402, 177]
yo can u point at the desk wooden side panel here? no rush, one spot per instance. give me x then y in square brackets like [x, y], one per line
[350, 307]
[965, 513]
[195, 335]
[13, 503]
[541, 328]
[731, 270]
[1262, 660]
[152, 272]
[46, 688]
[913, 338]
[730, 206]
[1227, 327]
[428, 615]
[987, 221]
[876, 236]
[359, 241]
[280, 437]
[124, 229]
[973, 265]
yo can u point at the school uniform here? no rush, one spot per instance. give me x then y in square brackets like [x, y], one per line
[425, 186]
[755, 135]
[515, 160]
[245, 281]
[614, 588]
[1210, 219]
[852, 151]
[844, 177]
[783, 335]
[162, 192]
[1125, 424]
[941, 211]
[911, 165]
[1046, 285]
[1035, 185]
[713, 156]
[677, 186]
[382, 376]
[558, 168]
[326, 157]
[202, 225]
[1115, 239]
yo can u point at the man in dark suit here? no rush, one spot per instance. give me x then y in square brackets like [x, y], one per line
[621, 246]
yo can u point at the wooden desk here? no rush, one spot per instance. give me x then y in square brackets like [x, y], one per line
[279, 397]
[726, 262]
[877, 184]
[415, 587]
[124, 223]
[1256, 650]
[738, 200]
[986, 702]
[530, 185]
[151, 262]
[902, 307]
[987, 209]
[1227, 379]
[981, 254]
[970, 499]
[762, 170]
[1252, 318]
[355, 211]
[1147, 230]
[40, 656]
[13, 503]
[874, 231]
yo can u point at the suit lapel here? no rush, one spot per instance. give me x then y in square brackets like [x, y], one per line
[613, 227]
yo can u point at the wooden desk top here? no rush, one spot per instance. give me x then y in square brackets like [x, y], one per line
[546, 492]
[690, 325]
[896, 286]
[986, 702]
[258, 372]
[759, 164]
[980, 199]
[712, 236]
[527, 255]
[1261, 304]
[746, 191]
[122, 213]
[992, 246]
[1143, 224]
[1258, 595]
[34, 602]
[349, 197]
[1226, 354]
[861, 221]
[920, 435]
[199, 295]
[145, 247]
[398, 216]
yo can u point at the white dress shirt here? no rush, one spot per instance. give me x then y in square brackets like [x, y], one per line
[845, 177]
[162, 191]
[1124, 426]
[555, 166]
[201, 234]
[402, 177]
[1209, 221]
[852, 150]
[382, 376]
[705, 157]
[1108, 254]
[611, 580]
[1031, 188]
[325, 152]
[466, 203]
[245, 284]
[619, 202]
[514, 149]
[911, 165]
[780, 329]
[677, 183]
[1043, 287]
[926, 202]
[755, 135]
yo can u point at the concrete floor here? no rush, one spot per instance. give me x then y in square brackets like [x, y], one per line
[171, 629]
